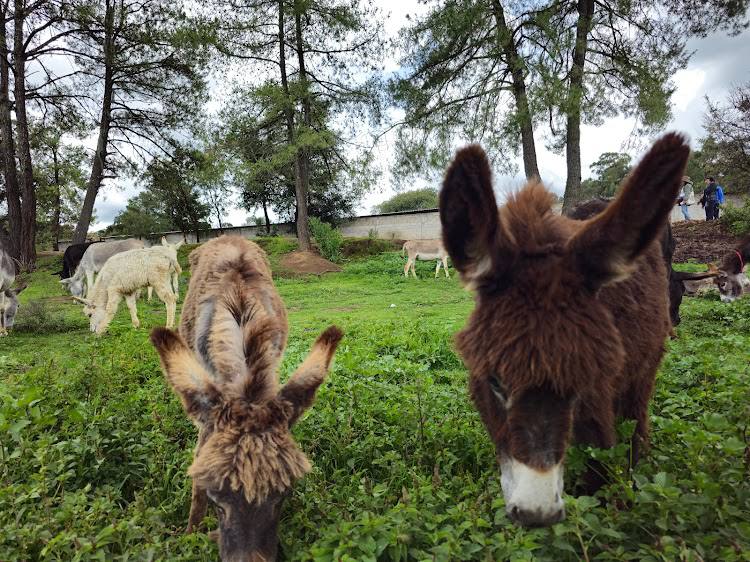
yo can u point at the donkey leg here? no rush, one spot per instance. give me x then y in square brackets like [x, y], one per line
[445, 267]
[636, 408]
[130, 301]
[198, 507]
[89, 283]
[199, 499]
[601, 436]
[113, 301]
[437, 269]
[414, 269]
[164, 292]
[406, 267]
[3, 331]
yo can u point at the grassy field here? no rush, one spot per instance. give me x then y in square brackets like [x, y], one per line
[94, 447]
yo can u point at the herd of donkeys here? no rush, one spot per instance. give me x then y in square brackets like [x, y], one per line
[566, 335]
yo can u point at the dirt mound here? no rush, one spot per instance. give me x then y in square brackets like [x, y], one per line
[702, 241]
[305, 263]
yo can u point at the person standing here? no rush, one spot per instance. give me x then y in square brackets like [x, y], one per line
[686, 197]
[710, 199]
[720, 199]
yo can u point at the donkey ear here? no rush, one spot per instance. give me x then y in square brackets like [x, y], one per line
[605, 250]
[189, 380]
[468, 211]
[301, 386]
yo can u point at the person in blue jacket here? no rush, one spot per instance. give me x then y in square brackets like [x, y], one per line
[710, 199]
[720, 198]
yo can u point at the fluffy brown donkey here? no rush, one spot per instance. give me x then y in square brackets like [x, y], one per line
[570, 318]
[223, 367]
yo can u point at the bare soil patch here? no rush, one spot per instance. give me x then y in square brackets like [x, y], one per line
[305, 263]
[702, 241]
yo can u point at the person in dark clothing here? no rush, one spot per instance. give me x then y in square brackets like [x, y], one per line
[710, 199]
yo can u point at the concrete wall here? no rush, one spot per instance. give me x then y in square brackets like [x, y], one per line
[405, 226]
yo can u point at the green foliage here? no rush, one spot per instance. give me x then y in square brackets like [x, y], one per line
[173, 184]
[94, 446]
[329, 239]
[608, 172]
[737, 219]
[414, 200]
[143, 215]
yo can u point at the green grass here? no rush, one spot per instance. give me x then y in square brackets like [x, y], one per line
[94, 447]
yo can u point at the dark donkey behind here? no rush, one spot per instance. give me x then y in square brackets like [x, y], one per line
[570, 318]
[71, 258]
[676, 279]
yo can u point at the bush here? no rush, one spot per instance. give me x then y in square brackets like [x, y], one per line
[329, 239]
[36, 317]
[410, 201]
[737, 219]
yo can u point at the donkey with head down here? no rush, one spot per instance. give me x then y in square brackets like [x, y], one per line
[570, 318]
[222, 365]
[8, 295]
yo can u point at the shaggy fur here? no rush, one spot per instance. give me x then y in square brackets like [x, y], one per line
[571, 316]
[223, 365]
[94, 258]
[8, 295]
[123, 276]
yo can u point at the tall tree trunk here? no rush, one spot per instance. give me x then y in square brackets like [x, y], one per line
[57, 203]
[303, 234]
[303, 229]
[100, 156]
[7, 146]
[516, 65]
[573, 105]
[265, 214]
[28, 194]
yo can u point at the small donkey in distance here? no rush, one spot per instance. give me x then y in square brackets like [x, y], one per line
[223, 365]
[570, 319]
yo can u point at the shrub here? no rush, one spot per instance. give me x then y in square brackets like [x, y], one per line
[329, 239]
[737, 219]
[37, 317]
[410, 201]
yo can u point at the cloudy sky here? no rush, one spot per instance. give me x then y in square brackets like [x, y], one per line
[718, 63]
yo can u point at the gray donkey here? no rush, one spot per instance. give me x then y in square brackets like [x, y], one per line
[93, 260]
[8, 296]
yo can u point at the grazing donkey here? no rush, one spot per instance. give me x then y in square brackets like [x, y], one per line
[71, 258]
[570, 318]
[730, 276]
[93, 260]
[8, 296]
[223, 367]
[425, 250]
[123, 276]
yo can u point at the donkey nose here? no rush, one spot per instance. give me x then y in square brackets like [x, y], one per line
[535, 517]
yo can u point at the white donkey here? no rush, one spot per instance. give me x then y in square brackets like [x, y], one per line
[92, 262]
[425, 250]
[124, 275]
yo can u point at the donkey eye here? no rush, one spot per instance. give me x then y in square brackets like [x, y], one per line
[497, 389]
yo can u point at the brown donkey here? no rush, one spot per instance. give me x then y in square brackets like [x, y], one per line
[223, 366]
[570, 318]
